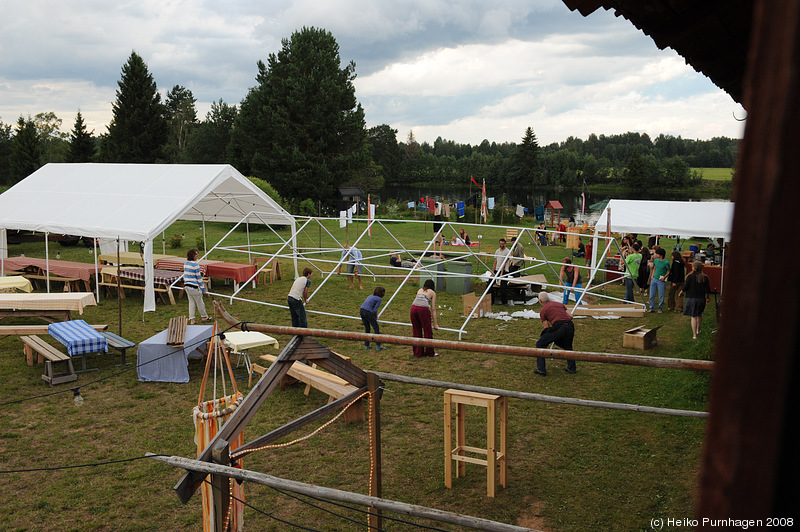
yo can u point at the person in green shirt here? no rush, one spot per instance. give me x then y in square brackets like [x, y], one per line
[658, 276]
[632, 262]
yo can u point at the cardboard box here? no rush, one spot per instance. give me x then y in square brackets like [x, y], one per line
[640, 338]
[471, 307]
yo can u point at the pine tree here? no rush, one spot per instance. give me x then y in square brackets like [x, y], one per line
[526, 171]
[82, 145]
[26, 150]
[301, 129]
[138, 128]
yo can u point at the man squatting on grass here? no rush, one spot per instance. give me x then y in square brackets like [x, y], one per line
[558, 329]
[298, 297]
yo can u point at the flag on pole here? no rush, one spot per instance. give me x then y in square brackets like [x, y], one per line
[369, 215]
[484, 210]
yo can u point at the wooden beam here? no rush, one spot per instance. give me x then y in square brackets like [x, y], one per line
[749, 465]
[188, 484]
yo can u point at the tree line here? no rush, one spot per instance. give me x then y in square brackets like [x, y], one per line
[301, 130]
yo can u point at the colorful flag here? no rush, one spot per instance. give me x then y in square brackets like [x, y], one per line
[484, 210]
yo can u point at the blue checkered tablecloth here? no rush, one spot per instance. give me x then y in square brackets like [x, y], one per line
[78, 337]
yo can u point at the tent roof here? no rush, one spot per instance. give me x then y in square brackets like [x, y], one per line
[711, 219]
[132, 201]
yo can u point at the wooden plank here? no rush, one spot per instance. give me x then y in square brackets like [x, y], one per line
[176, 333]
[17, 330]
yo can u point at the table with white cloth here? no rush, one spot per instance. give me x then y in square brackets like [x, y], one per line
[49, 307]
[159, 362]
[79, 338]
[240, 343]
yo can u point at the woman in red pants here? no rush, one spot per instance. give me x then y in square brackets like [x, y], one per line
[423, 309]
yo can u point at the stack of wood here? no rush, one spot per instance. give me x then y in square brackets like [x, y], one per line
[176, 333]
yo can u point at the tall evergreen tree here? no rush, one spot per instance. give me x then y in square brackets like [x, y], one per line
[26, 150]
[526, 168]
[82, 145]
[301, 128]
[6, 143]
[182, 117]
[385, 151]
[138, 128]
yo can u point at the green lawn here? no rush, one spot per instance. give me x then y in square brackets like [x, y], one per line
[715, 174]
[570, 468]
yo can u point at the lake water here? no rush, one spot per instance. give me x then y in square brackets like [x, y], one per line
[571, 200]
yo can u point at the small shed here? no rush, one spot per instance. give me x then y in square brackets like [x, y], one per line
[350, 196]
[554, 207]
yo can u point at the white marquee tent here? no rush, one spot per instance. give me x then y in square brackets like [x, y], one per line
[705, 219]
[133, 202]
[709, 219]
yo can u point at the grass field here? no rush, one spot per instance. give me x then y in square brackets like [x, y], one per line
[570, 468]
[715, 174]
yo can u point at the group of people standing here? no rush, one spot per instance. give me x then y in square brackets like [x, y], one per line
[665, 278]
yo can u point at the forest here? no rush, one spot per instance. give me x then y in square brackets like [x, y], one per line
[302, 123]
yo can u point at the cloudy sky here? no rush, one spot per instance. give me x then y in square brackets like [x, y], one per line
[464, 70]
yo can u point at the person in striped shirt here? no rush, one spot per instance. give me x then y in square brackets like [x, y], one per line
[194, 286]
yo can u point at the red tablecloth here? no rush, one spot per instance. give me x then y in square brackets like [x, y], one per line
[176, 264]
[62, 268]
[232, 270]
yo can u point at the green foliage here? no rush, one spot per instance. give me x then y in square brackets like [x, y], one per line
[138, 128]
[208, 143]
[182, 117]
[176, 240]
[308, 207]
[26, 150]
[301, 125]
[199, 243]
[82, 145]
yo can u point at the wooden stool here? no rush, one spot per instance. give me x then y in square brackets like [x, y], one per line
[490, 402]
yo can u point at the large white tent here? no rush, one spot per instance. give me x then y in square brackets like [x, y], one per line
[133, 202]
[709, 219]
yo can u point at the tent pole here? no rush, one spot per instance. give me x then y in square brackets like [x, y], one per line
[119, 291]
[205, 245]
[47, 258]
[96, 272]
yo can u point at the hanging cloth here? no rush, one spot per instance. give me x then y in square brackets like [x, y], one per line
[209, 417]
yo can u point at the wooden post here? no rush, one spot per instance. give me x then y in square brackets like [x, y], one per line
[373, 385]
[220, 487]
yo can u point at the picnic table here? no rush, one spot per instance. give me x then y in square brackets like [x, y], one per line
[241, 342]
[159, 362]
[69, 272]
[49, 307]
[176, 264]
[235, 271]
[162, 279]
[130, 258]
[79, 338]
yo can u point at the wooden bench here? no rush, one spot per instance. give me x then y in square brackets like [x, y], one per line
[34, 344]
[119, 343]
[176, 333]
[24, 330]
[335, 387]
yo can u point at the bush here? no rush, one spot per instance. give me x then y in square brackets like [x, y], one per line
[175, 241]
[308, 208]
[199, 244]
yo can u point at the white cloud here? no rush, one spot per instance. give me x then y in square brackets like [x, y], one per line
[462, 69]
